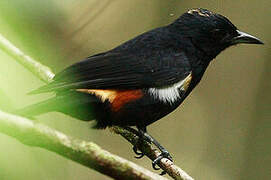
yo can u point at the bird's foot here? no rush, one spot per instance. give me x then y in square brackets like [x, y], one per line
[164, 154]
[145, 137]
[139, 154]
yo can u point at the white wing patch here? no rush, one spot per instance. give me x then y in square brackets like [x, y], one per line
[171, 93]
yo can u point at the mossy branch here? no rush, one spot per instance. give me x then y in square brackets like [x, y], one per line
[85, 153]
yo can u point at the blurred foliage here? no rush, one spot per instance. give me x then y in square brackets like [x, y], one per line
[222, 129]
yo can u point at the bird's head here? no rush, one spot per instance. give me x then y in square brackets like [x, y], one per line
[211, 32]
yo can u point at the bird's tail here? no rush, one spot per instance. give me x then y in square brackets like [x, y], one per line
[78, 105]
[37, 109]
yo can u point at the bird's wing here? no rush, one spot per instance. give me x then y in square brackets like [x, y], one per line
[122, 70]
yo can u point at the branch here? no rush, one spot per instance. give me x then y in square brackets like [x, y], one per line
[85, 153]
[44, 73]
[172, 170]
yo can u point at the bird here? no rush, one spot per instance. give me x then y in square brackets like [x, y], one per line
[145, 78]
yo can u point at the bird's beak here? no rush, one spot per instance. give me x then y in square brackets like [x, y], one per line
[243, 37]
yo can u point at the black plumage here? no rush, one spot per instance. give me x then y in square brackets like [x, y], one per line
[145, 78]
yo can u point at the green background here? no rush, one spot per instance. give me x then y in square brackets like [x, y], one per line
[222, 130]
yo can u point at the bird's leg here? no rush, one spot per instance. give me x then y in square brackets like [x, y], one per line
[141, 138]
[143, 135]
[164, 152]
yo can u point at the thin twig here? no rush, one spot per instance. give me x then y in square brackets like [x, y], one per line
[46, 75]
[41, 71]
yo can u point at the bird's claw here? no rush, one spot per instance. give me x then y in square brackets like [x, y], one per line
[155, 162]
[164, 154]
[138, 154]
[163, 173]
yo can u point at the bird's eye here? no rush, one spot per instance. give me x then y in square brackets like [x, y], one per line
[218, 34]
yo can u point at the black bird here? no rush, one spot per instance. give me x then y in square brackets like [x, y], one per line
[143, 79]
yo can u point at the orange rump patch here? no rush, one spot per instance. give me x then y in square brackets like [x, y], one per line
[124, 97]
[117, 98]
